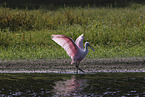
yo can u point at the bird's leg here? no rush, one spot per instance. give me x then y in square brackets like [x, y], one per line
[81, 70]
[77, 66]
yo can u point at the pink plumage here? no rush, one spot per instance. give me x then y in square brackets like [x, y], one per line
[67, 43]
[74, 49]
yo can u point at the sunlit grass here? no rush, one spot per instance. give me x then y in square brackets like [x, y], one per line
[59, 53]
[113, 32]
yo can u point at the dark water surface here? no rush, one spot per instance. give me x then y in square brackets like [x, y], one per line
[96, 85]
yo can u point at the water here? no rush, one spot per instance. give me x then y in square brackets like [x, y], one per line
[72, 85]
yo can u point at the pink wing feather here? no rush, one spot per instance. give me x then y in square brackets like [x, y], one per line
[79, 41]
[67, 43]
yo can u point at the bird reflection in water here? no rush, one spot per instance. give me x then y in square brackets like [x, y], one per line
[70, 87]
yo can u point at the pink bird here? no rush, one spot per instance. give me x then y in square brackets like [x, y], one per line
[74, 49]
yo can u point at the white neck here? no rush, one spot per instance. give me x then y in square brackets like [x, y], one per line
[86, 47]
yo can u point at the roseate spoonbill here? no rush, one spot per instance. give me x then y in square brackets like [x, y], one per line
[74, 49]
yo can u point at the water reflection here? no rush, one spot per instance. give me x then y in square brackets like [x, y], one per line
[88, 85]
[70, 87]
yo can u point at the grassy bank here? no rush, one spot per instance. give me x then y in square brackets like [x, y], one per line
[59, 53]
[113, 32]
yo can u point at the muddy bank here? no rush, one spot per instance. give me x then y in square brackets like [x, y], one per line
[63, 65]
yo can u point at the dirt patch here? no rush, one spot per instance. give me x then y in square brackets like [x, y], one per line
[63, 65]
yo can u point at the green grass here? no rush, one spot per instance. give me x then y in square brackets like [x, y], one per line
[58, 53]
[113, 32]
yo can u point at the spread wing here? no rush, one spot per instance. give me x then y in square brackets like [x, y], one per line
[79, 41]
[67, 43]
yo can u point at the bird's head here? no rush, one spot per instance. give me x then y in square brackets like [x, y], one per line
[87, 44]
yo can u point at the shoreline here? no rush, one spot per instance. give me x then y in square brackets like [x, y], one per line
[90, 66]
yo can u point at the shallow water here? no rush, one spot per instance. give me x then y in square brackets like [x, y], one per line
[47, 84]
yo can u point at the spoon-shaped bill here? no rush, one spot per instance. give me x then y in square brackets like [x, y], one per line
[91, 47]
